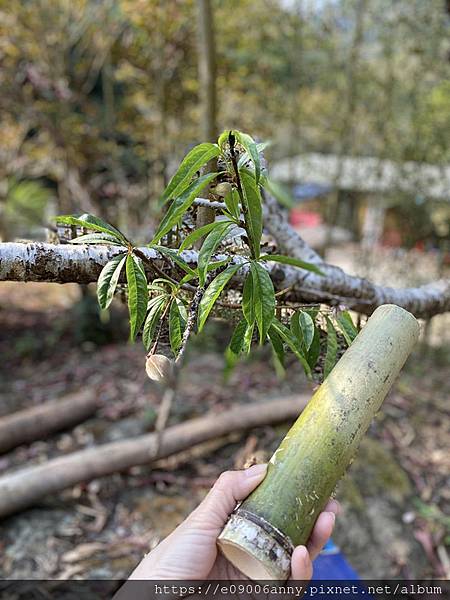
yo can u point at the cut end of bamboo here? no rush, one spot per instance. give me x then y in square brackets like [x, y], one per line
[401, 313]
[256, 548]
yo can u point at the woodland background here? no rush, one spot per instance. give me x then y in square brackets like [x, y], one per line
[99, 101]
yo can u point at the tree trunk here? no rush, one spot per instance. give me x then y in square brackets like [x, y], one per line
[304, 470]
[25, 487]
[208, 95]
[207, 70]
[347, 119]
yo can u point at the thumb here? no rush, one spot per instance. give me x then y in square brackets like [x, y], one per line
[229, 489]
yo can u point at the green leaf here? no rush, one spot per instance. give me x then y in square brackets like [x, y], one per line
[160, 282]
[237, 339]
[211, 267]
[213, 292]
[232, 203]
[248, 338]
[240, 343]
[137, 293]
[349, 331]
[97, 238]
[314, 351]
[302, 326]
[264, 299]
[156, 308]
[251, 148]
[279, 192]
[210, 244]
[217, 264]
[243, 159]
[312, 312]
[181, 205]
[195, 235]
[223, 138]
[108, 280]
[177, 324]
[157, 299]
[332, 348]
[192, 162]
[277, 344]
[253, 211]
[173, 255]
[291, 341]
[248, 300]
[236, 344]
[289, 260]
[91, 222]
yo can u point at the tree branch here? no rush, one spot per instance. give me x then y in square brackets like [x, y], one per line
[67, 263]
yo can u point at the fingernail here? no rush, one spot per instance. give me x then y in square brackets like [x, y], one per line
[256, 470]
[332, 516]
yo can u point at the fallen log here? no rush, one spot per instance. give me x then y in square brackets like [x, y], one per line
[25, 487]
[36, 423]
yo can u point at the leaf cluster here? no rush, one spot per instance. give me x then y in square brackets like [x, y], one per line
[162, 299]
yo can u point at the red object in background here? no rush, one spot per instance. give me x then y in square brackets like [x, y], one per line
[420, 246]
[304, 218]
[392, 239]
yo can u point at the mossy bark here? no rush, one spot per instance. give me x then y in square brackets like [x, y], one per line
[316, 451]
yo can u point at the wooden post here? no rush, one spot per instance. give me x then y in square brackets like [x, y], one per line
[262, 532]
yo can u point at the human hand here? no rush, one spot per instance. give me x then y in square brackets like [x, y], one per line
[190, 551]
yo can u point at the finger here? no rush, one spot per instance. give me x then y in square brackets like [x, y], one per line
[321, 532]
[333, 506]
[229, 489]
[301, 565]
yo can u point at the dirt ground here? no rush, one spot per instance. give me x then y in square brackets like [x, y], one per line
[396, 518]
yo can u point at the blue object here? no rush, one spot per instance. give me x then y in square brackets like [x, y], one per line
[333, 575]
[331, 564]
[308, 191]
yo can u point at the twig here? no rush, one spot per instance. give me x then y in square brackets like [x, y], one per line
[210, 203]
[172, 387]
[153, 265]
[234, 306]
[158, 333]
[284, 291]
[164, 410]
[185, 286]
[231, 141]
[191, 323]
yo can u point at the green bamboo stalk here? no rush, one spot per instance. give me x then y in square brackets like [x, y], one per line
[303, 472]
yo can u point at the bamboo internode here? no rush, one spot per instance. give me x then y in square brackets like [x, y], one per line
[304, 470]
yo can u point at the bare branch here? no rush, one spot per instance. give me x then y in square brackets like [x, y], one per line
[209, 203]
[67, 263]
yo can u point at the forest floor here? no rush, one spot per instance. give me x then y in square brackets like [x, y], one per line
[393, 524]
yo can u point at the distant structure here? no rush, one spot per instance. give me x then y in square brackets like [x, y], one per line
[363, 192]
[365, 174]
